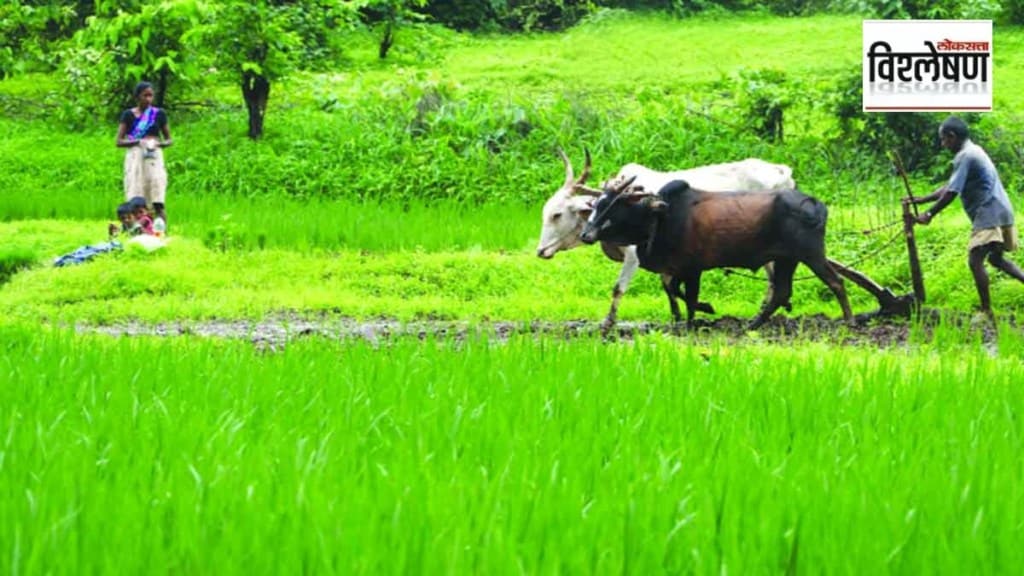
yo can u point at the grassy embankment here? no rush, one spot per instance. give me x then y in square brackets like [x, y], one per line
[340, 207]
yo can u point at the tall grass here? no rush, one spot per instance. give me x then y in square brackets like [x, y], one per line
[373, 193]
[192, 456]
[347, 224]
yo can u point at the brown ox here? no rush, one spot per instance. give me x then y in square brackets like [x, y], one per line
[680, 232]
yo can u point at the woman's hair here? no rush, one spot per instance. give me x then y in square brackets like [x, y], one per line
[142, 86]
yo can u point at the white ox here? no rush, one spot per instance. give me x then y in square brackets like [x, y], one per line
[566, 212]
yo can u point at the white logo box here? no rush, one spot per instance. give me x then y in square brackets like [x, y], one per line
[927, 65]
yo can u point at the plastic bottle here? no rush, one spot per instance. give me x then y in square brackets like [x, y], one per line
[159, 227]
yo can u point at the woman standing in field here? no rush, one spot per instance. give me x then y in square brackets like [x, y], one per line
[144, 131]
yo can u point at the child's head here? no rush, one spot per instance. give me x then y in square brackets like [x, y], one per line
[126, 214]
[138, 205]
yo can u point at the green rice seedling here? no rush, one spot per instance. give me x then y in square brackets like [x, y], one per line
[409, 273]
[13, 260]
[531, 455]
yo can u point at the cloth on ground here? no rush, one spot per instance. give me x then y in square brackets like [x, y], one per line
[86, 253]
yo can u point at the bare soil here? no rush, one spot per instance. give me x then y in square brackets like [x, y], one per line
[277, 330]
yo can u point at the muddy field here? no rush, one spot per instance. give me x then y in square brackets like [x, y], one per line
[276, 331]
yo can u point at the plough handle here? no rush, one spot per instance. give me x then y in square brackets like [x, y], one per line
[898, 163]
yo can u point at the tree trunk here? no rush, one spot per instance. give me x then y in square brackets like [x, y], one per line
[256, 91]
[161, 88]
[386, 41]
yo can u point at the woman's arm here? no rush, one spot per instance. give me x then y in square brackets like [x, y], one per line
[165, 131]
[123, 141]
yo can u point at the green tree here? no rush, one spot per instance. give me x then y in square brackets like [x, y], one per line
[30, 30]
[124, 43]
[391, 14]
[260, 41]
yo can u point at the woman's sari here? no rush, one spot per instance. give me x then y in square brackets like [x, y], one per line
[143, 123]
[144, 171]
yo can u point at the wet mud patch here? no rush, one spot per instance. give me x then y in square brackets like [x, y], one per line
[276, 331]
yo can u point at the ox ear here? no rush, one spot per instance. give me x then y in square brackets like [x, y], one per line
[584, 211]
[656, 205]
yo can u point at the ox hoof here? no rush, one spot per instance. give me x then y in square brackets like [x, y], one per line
[755, 324]
[705, 308]
[606, 326]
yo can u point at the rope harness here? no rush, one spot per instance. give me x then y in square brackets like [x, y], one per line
[861, 259]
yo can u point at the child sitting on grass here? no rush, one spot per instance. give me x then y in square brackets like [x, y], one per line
[130, 224]
[141, 213]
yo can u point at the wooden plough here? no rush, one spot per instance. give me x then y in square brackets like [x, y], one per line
[889, 303]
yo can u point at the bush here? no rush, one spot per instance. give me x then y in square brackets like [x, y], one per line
[13, 260]
[529, 15]
[912, 135]
[764, 96]
[951, 9]
[464, 14]
[509, 15]
[1012, 11]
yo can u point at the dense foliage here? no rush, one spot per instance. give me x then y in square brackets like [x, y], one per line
[558, 14]
[104, 47]
[466, 127]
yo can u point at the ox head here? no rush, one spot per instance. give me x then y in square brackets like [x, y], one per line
[624, 214]
[566, 211]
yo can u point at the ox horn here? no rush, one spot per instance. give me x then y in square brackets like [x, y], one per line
[577, 186]
[586, 168]
[568, 168]
[622, 186]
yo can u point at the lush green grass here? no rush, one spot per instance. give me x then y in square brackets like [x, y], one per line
[662, 455]
[620, 56]
[300, 225]
[286, 223]
[195, 456]
[194, 279]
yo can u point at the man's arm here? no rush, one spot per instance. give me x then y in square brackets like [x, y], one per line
[945, 196]
[925, 199]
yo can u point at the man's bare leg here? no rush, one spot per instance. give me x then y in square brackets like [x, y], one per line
[997, 259]
[976, 262]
